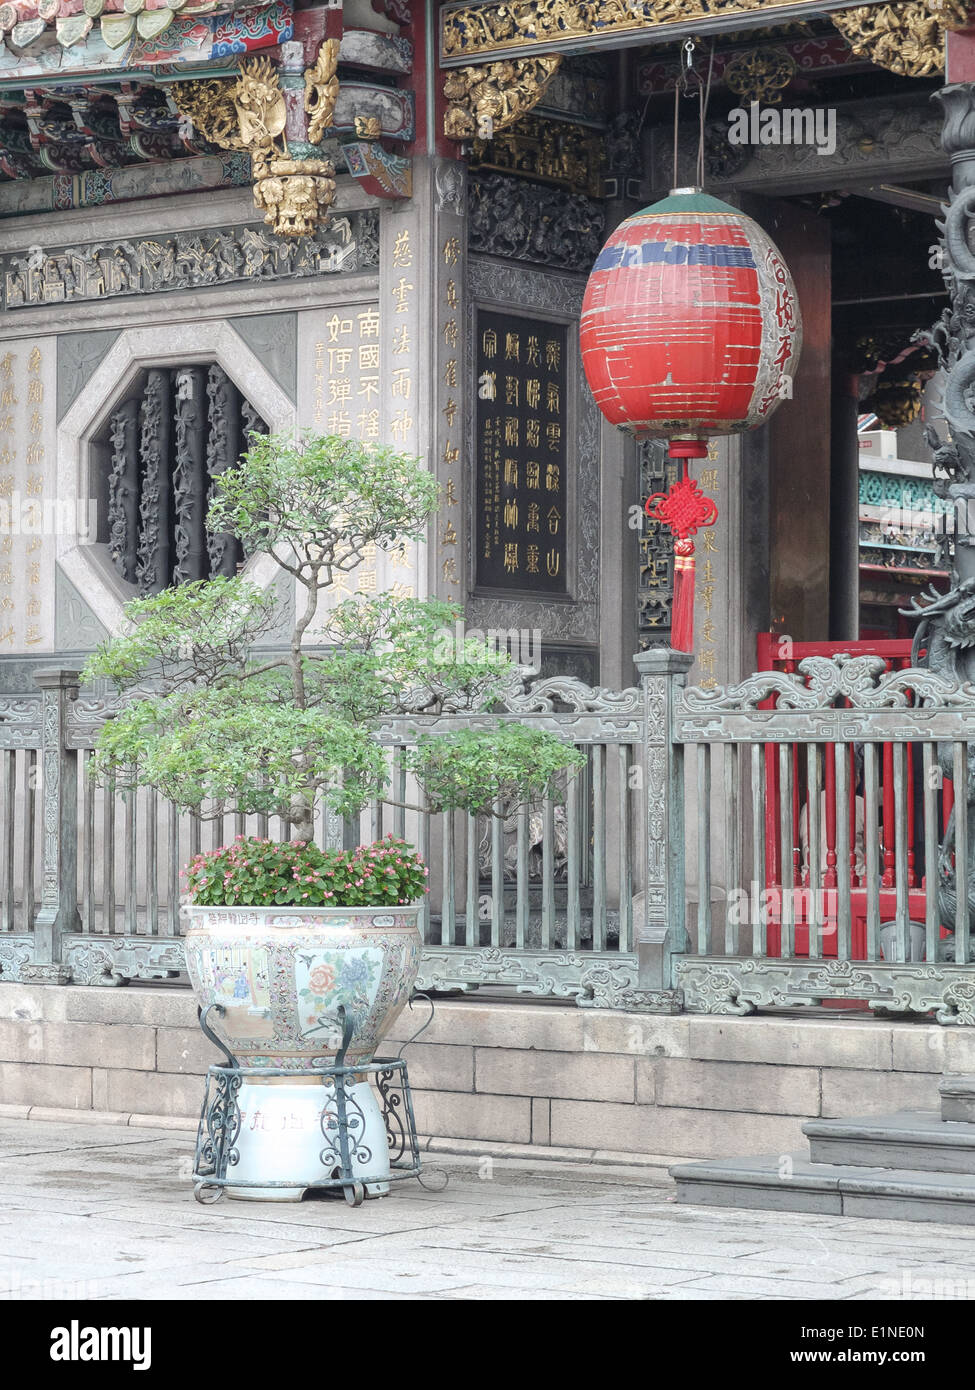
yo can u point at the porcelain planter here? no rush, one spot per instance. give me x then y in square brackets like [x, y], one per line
[282, 972]
[280, 975]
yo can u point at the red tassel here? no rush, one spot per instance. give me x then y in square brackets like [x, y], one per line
[682, 621]
[683, 508]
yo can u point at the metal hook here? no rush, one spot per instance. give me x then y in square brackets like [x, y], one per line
[688, 72]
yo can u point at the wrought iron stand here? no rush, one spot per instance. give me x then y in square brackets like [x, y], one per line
[342, 1123]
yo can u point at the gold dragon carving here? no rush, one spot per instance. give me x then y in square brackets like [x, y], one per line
[908, 38]
[322, 89]
[248, 113]
[487, 98]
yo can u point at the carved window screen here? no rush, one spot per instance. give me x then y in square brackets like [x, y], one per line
[166, 444]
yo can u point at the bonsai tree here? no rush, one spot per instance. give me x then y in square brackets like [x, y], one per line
[217, 718]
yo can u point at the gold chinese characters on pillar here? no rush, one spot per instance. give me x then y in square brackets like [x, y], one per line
[346, 402]
[248, 113]
[451, 577]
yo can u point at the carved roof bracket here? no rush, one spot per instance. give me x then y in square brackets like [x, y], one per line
[322, 90]
[487, 98]
[906, 38]
[249, 113]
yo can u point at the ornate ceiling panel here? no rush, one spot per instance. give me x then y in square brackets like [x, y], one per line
[481, 32]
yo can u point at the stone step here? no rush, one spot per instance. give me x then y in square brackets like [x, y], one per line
[791, 1182]
[915, 1140]
[958, 1098]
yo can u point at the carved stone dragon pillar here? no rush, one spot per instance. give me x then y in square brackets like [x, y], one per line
[946, 631]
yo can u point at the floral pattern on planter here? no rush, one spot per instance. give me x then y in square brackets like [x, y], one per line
[327, 979]
[365, 958]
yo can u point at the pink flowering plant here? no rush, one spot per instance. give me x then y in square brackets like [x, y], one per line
[260, 873]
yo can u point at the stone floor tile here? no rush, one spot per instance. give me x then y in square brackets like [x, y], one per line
[108, 1213]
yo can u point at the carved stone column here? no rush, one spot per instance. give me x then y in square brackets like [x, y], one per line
[59, 771]
[224, 446]
[123, 490]
[661, 933]
[190, 475]
[155, 567]
[947, 625]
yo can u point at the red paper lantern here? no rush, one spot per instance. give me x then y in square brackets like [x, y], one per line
[690, 328]
[690, 324]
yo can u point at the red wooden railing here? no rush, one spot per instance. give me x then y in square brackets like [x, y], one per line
[784, 867]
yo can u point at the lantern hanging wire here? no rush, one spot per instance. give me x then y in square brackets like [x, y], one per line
[689, 84]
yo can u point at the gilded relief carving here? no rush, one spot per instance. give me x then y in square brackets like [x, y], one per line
[908, 39]
[486, 99]
[249, 113]
[557, 152]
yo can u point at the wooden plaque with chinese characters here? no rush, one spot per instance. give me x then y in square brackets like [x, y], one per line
[521, 527]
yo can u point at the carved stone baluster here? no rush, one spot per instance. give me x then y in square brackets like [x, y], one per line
[224, 446]
[661, 935]
[190, 476]
[123, 489]
[155, 566]
[59, 895]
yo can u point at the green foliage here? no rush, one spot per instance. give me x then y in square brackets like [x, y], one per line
[215, 727]
[475, 768]
[201, 631]
[258, 756]
[260, 873]
[322, 499]
[392, 655]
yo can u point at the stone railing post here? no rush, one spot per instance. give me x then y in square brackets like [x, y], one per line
[59, 790]
[661, 934]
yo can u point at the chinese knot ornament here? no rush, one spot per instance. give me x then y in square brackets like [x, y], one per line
[690, 328]
[684, 509]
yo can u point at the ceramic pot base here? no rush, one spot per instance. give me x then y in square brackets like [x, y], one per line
[289, 1132]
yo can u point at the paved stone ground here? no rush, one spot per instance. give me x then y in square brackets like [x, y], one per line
[107, 1212]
